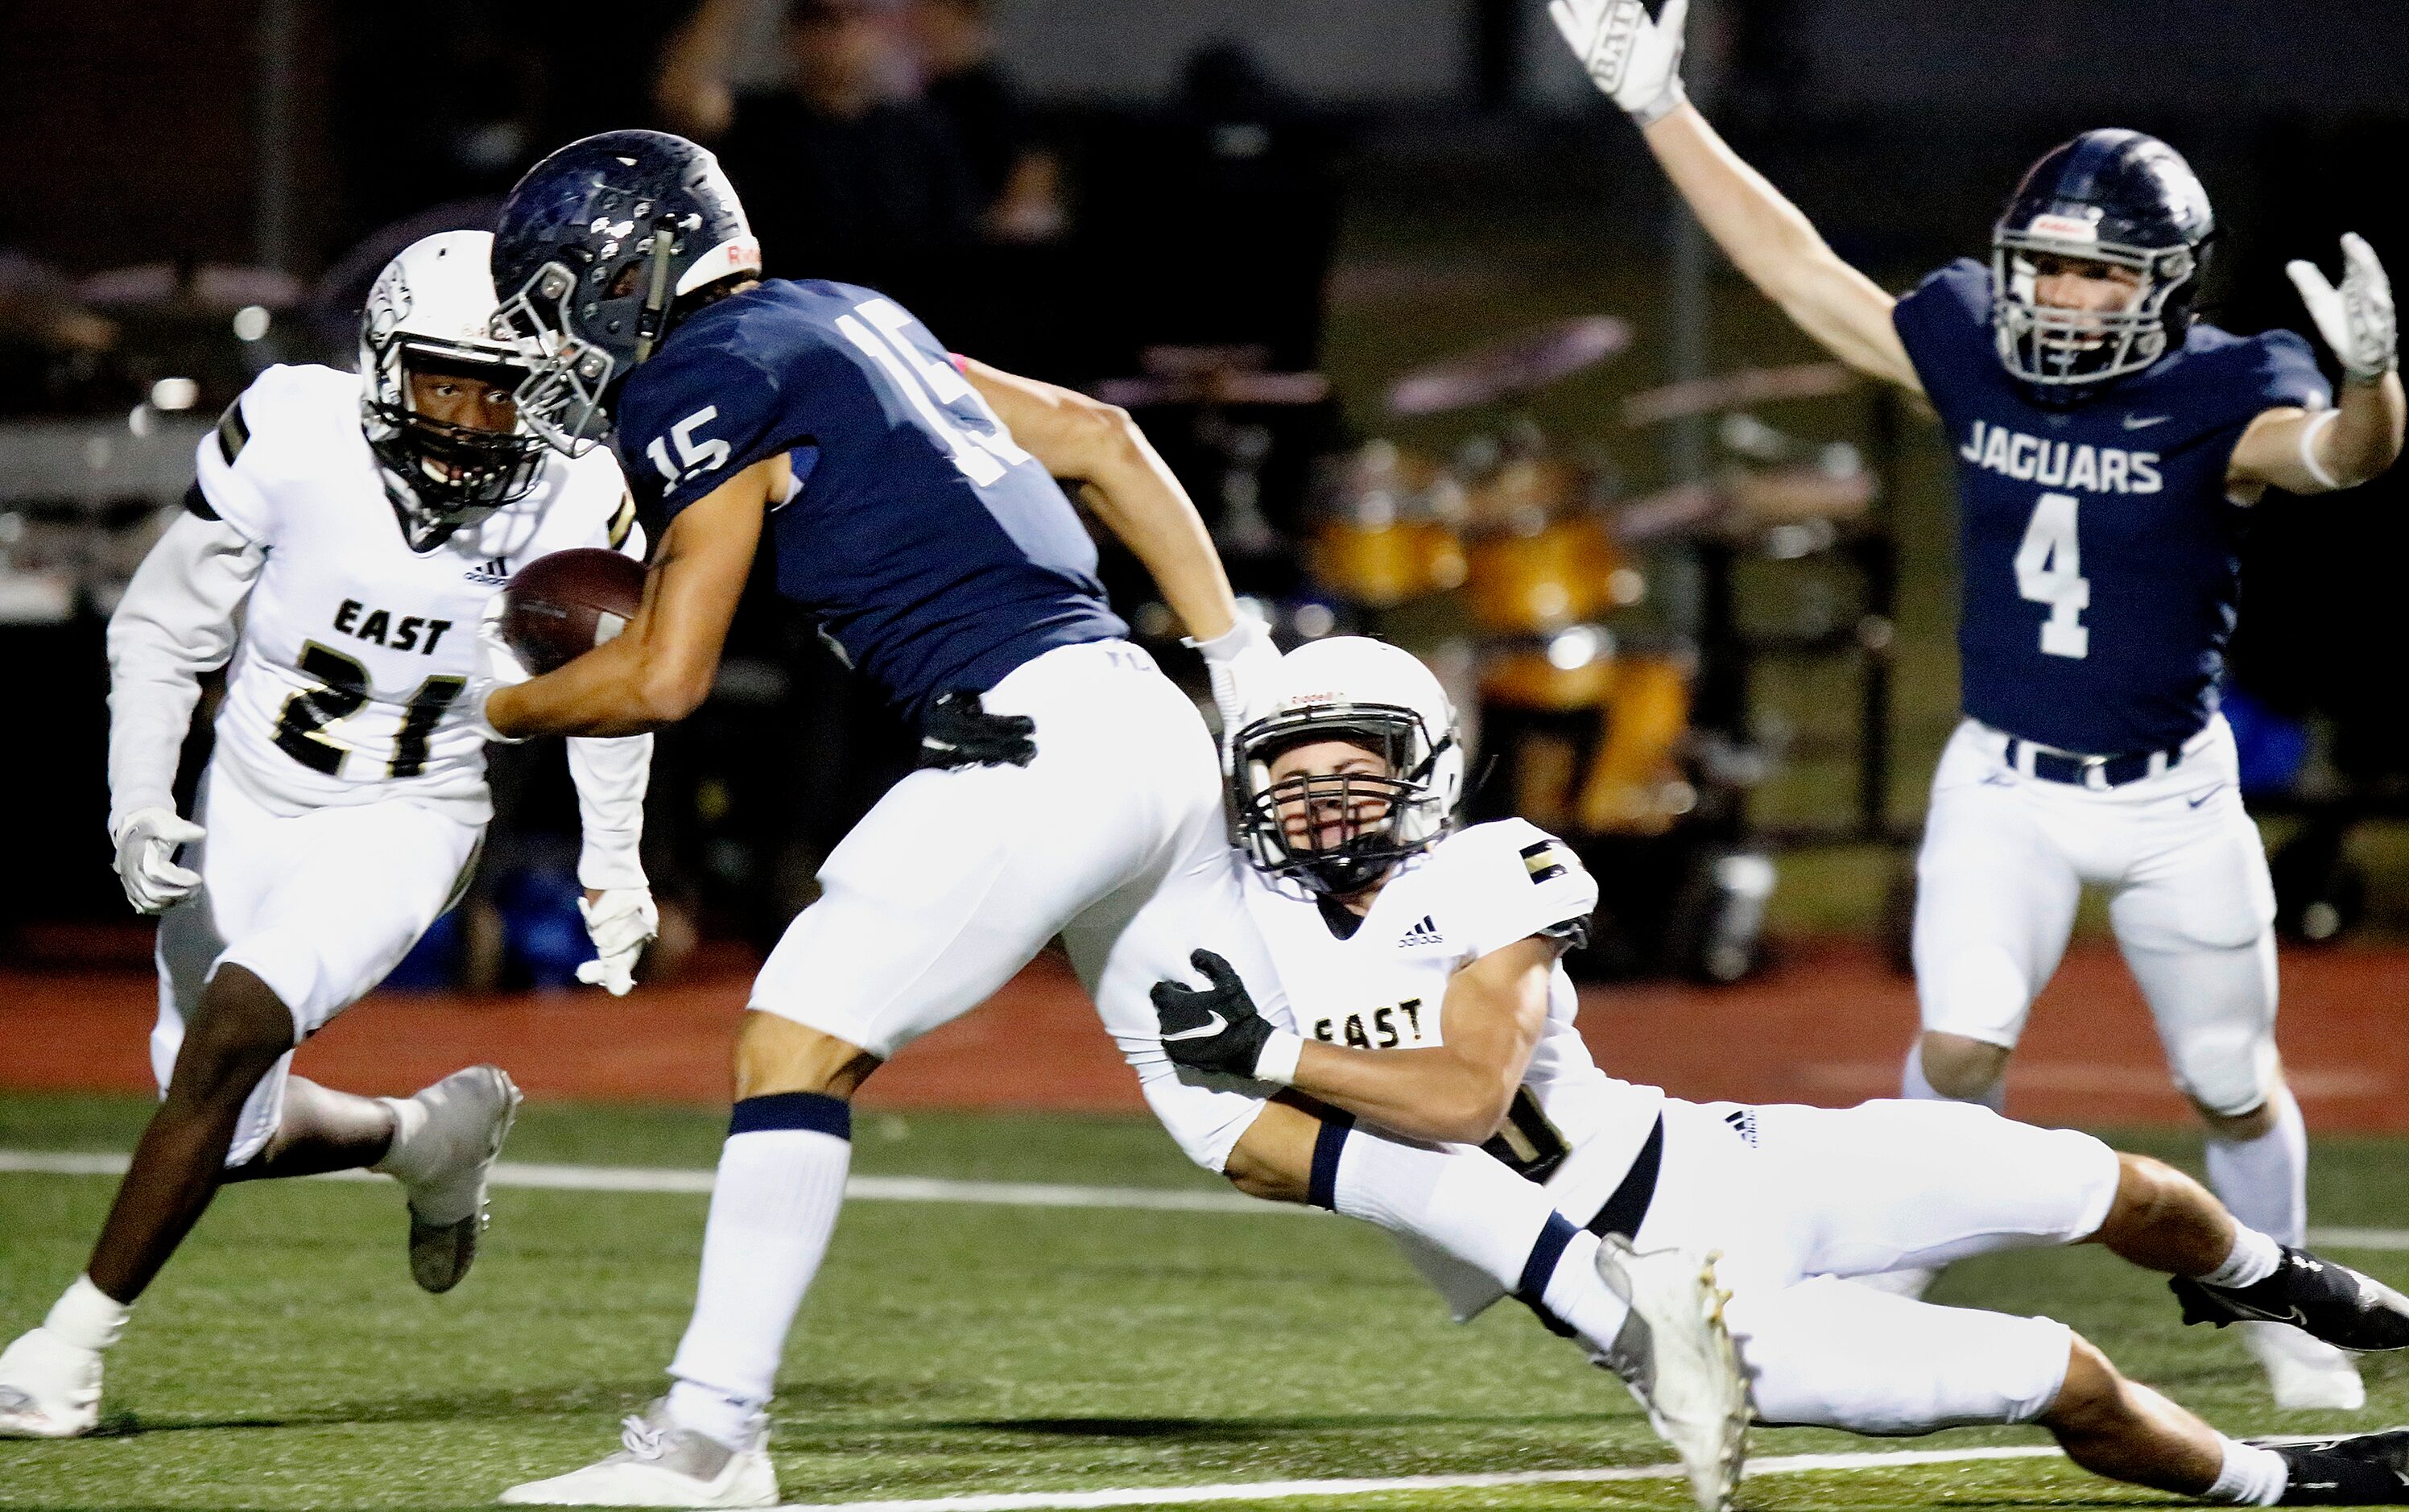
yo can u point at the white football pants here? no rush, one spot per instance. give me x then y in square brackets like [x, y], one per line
[1113, 836]
[318, 906]
[2006, 856]
[1797, 1198]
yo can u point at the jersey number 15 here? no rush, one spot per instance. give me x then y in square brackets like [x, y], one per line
[2049, 570]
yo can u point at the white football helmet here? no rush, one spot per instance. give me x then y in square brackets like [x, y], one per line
[432, 309]
[1371, 695]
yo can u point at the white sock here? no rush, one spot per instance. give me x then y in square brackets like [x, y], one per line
[1914, 1086]
[1576, 1295]
[2249, 1477]
[2264, 1181]
[772, 1208]
[399, 1159]
[1469, 1206]
[2253, 1258]
[86, 1316]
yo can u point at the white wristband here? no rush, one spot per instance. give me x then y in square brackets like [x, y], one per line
[2309, 434]
[1275, 1062]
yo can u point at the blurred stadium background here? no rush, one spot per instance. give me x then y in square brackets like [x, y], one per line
[1413, 316]
[1410, 311]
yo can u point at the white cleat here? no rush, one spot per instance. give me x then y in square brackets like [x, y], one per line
[1675, 1355]
[444, 1166]
[2304, 1372]
[49, 1389]
[661, 1465]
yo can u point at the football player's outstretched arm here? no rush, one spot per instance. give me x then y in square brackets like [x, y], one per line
[1126, 483]
[660, 667]
[2318, 451]
[1635, 61]
[174, 624]
[1457, 1091]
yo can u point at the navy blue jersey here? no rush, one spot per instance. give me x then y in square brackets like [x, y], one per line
[936, 553]
[2098, 545]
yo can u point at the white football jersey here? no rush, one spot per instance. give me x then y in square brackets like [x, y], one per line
[355, 648]
[1382, 988]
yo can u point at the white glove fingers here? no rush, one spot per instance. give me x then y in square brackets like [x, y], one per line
[1673, 20]
[2310, 280]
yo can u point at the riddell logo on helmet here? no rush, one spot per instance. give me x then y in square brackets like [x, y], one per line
[2063, 228]
[1307, 700]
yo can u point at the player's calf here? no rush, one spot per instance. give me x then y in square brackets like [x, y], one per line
[236, 1035]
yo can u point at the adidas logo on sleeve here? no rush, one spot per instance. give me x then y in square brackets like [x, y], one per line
[1425, 932]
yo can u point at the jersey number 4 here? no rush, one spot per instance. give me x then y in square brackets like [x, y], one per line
[2049, 570]
[343, 686]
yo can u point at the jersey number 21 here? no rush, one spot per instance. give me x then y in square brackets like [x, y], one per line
[2049, 570]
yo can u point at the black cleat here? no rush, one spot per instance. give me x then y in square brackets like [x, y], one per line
[2331, 1301]
[2356, 1470]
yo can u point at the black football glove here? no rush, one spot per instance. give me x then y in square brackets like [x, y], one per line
[1214, 1028]
[957, 731]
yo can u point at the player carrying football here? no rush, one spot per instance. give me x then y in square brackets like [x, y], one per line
[1066, 786]
[1426, 998]
[340, 545]
[2109, 447]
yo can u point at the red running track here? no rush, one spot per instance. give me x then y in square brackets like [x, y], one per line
[1827, 1024]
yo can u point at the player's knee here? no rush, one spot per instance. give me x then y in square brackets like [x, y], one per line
[239, 1031]
[777, 1054]
[2228, 1078]
[1962, 1068]
[1274, 1159]
[2091, 1399]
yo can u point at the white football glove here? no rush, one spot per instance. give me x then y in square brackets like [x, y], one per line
[621, 923]
[146, 858]
[1632, 60]
[2357, 319]
[1244, 667]
[496, 666]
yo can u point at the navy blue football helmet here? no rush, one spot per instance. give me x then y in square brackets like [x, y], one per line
[592, 251]
[2109, 197]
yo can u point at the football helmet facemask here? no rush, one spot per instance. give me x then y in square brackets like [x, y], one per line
[592, 252]
[431, 310]
[1335, 834]
[2112, 198]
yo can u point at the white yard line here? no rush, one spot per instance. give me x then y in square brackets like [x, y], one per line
[620, 1178]
[1267, 1490]
[692, 1180]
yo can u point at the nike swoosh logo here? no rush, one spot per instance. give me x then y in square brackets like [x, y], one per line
[2203, 798]
[2145, 421]
[1202, 1031]
[2291, 1315]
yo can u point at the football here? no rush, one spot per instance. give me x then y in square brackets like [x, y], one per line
[559, 607]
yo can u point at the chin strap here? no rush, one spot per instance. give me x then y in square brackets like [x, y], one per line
[655, 314]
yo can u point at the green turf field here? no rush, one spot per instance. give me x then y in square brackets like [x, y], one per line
[284, 1360]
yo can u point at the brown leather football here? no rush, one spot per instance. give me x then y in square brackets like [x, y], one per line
[559, 607]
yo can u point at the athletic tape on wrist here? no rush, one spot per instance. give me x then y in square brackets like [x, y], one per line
[1277, 1061]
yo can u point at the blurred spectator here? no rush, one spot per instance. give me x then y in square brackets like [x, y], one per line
[53, 348]
[843, 178]
[1019, 180]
